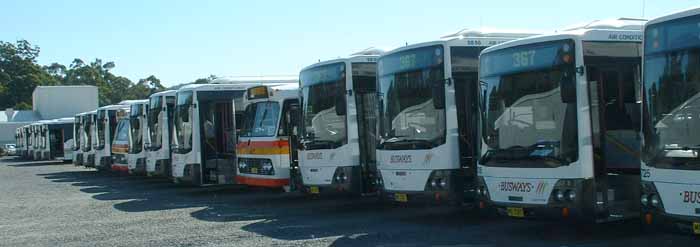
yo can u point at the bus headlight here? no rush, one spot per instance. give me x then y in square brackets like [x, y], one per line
[267, 167]
[559, 195]
[571, 195]
[443, 183]
[479, 191]
[433, 182]
[655, 200]
[645, 200]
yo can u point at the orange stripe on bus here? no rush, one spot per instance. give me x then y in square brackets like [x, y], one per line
[262, 182]
[263, 147]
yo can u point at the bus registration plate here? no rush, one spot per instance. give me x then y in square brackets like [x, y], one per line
[314, 190]
[696, 227]
[516, 212]
[401, 197]
[254, 170]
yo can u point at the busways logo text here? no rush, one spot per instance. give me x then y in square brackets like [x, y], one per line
[515, 186]
[691, 197]
[401, 158]
[523, 187]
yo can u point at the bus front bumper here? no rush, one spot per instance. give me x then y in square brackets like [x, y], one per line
[680, 223]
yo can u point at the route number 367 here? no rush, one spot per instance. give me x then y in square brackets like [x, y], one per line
[523, 59]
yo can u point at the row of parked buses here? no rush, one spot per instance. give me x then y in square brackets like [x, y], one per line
[597, 122]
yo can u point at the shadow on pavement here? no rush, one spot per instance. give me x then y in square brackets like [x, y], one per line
[354, 221]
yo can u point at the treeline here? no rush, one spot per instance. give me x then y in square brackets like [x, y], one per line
[20, 74]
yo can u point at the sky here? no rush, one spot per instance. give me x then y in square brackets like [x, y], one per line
[180, 41]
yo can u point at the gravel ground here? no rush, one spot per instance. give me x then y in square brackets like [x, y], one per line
[54, 204]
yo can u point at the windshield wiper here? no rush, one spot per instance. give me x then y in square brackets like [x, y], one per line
[396, 141]
[685, 148]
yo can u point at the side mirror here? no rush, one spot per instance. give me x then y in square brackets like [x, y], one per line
[340, 106]
[568, 88]
[439, 94]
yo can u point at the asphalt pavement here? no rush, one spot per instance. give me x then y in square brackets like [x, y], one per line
[56, 204]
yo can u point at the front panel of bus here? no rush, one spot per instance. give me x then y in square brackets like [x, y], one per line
[324, 132]
[136, 157]
[417, 150]
[120, 146]
[185, 150]
[77, 140]
[159, 129]
[671, 168]
[262, 151]
[543, 148]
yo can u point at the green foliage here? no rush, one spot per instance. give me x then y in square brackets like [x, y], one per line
[20, 74]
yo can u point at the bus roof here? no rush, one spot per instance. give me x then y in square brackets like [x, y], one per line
[111, 107]
[621, 29]
[471, 37]
[217, 87]
[675, 15]
[255, 79]
[132, 102]
[367, 55]
[61, 121]
[166, 93]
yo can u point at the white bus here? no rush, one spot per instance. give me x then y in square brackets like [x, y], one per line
[57, 133]
[206, 121]
[338, 124]
[671, 117]
[88, 138]
[138, 130]
[37, 140]
[204, 134]
[264, 152]
[78, 132]
[561, 120]
[105, 125]
[427, 136]
[161, 107]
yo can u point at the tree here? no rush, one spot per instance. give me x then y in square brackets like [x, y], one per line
[19, 73]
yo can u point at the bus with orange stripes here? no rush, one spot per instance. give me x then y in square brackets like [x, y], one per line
[120, 143]
[263, 149]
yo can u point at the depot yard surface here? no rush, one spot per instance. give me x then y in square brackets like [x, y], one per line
[55, 204]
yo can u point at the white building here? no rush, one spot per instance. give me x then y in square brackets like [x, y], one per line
[49, 102]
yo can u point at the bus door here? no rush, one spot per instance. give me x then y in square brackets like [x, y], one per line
[465, 69]
[466, 102]
[290, 127]
[615, 122]
[365, 90]
[55, 142]
[218, 134]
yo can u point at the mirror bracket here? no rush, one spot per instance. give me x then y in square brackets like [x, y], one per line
[580, 70]
[448, 81]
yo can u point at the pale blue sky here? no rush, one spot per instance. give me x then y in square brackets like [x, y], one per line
[180, 41]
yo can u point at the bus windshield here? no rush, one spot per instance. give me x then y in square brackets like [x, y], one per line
[323, 92]
[262, 119]
[412, 88]
[183, 122]
[671, 116]
[121, 138]
[100, 123]
[528, 121]
[136, 135]
[155, 131]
